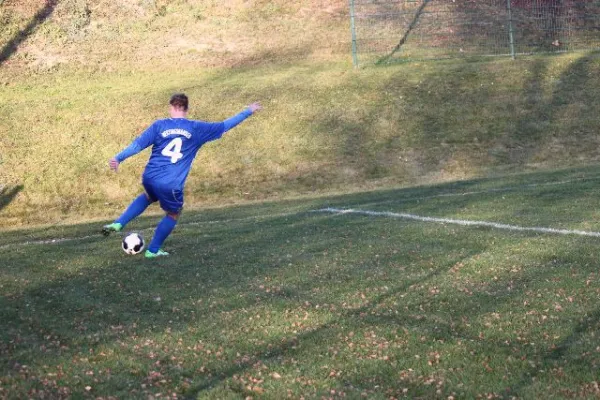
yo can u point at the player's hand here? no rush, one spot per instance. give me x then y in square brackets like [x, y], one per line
[113, 164]
[254, 107]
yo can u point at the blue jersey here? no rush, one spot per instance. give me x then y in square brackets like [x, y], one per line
[175, 142]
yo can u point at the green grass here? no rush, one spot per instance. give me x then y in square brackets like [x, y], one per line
[325, 128]
[273, 300]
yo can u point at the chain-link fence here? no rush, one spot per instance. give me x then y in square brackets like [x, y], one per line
[385, 30]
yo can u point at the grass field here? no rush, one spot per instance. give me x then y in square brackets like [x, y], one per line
[79, 79]
[325, 128]
[418, 230]
[293, 300]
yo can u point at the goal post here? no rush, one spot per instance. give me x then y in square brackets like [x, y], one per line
[387, 30]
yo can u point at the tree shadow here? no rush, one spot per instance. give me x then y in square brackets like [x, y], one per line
[358, 317]
[557, 121]
[449, 126]
[7, 194]
[500, 295]
[551, 119]
[118, 298]
[471, 28]
[564, 353]
[42, 15]
[409, 29]
[114, 299]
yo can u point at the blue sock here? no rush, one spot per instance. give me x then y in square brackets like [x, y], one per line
[163, 230]
[135, 208]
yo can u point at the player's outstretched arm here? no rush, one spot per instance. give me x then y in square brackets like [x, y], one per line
[232, 122]
[131, 150]
[139, 144]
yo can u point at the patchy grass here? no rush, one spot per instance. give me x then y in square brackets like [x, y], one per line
[116, 35]
[80, 79]
[325, 128]
[274, 301]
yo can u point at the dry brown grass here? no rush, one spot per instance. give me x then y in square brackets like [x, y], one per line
[112, 35]
[68, 103]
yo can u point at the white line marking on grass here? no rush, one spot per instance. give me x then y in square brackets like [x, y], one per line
[149, 229]
[402, 200]
[496, 225]
[46, 241]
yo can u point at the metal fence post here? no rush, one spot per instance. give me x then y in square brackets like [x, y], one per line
[510, 29]
[353, 28]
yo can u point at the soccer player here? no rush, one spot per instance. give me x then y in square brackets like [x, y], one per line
[175, 142]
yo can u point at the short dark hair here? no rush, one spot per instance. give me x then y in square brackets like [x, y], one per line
[179, 100]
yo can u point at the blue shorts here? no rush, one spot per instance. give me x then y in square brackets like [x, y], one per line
[171, 200]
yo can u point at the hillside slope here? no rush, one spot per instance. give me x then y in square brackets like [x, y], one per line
[107, 35]
[77, 100]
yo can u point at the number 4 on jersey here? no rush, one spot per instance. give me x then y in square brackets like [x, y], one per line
[173, 150]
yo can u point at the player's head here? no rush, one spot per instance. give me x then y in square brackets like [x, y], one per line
[179, 101]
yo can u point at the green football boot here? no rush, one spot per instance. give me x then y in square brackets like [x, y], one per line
[114, 227]
[159, 253]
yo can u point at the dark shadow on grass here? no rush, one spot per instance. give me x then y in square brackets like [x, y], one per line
[550, 125]
[562, 357]
[407, 33]
[567, 107]
[323, 333]
[110, 298]
[481, 28]
[434, 126]
[501, 296]
[8, 194]
[115, 297]
[42, 15]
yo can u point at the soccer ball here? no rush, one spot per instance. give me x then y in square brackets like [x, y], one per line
[133, 243]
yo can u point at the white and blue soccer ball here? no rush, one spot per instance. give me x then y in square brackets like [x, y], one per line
[133, 243]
